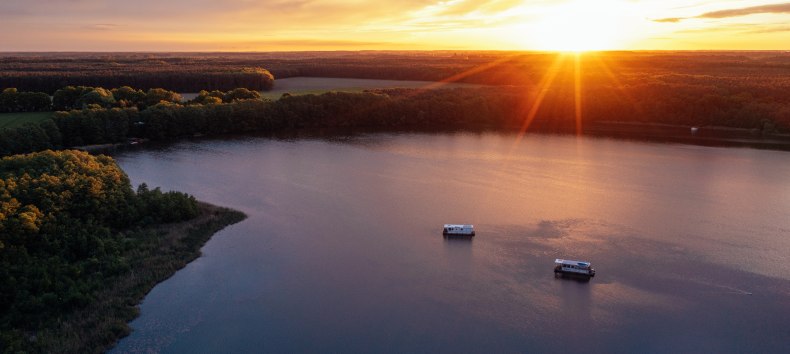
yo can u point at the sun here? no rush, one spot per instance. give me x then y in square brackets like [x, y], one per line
[580, 25]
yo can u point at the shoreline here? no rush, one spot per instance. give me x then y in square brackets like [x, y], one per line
[714, 136]
[161, 252]
[719, 136]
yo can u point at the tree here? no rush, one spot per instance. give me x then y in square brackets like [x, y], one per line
[158, 120]
[35, 101]
[265, 77]
[98, 96]
[157, 95]
[67, 97]
[12, 100]
[8, 100]
[127, 96]
[241, 93]
[205, 97]
[211, 100]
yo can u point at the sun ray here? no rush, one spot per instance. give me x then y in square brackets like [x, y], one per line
[529, 109]
[543, 89]
[472, 71]
[577, 92]
[619, 85]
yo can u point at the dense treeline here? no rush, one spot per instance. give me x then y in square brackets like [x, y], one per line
[553, 109]
[62, 239]
[391, 109]
[71, 97]
[46, 74]
[30, 137]
[11, 100]
[712, 88]
[758, 73]
[81, 97]
[101, 116]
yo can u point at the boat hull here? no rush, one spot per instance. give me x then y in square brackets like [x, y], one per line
[560, 271]
[469, 234]
[581, 278]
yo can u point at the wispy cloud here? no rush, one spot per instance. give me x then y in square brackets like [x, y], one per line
[763, 9]
[773, 9]
[773, 29]
[467, 7]
[670, 19]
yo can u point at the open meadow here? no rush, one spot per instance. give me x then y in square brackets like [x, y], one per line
[319, 85]
[12, 120]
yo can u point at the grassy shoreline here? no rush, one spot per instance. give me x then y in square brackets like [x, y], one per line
[161, 251]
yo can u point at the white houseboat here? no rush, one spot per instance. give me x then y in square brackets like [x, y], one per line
[458, 230]
[564, 266]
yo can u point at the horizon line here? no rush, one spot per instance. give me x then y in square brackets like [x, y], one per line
[389, 50]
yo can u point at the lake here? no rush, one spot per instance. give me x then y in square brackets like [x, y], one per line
[343, 252]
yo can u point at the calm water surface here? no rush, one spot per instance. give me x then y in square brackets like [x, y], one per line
[342, 250]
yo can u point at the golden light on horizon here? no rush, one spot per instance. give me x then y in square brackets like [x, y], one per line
[273, 25]
[580, 25]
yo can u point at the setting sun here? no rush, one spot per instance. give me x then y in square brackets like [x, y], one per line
[581, 26]
[265, 25]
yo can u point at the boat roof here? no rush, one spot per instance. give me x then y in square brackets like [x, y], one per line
[570, 262]
[463, 226]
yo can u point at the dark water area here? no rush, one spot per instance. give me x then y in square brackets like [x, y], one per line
[343, 251]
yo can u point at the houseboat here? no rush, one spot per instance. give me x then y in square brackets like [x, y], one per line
[458, 230]
[564, 266]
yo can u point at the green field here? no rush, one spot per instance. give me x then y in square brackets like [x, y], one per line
[10, 120]
[319, 85]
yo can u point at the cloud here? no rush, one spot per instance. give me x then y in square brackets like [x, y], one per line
[731, 28]
[763, 9]
[670, 19]
[775, 9]
[771, 29]
[467, 7]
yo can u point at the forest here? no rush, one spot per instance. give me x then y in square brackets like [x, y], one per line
[70, 227]
[47, 74]
[760, 74]
[747, 90]
[94, 116]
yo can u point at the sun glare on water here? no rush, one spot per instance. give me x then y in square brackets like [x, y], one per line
[580, 25]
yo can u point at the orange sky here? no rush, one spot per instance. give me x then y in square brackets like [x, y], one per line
[281, 25]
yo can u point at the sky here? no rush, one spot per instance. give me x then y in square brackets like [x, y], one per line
[295, 25]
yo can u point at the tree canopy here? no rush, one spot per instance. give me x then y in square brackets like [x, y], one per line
[61, 221]
[11, 100]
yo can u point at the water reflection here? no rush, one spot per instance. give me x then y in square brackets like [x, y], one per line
[574, 277]
[576, 303]
[449, 239]
[341, 252]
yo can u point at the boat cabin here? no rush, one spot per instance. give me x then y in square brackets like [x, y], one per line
[565, 266]
[458, 230]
